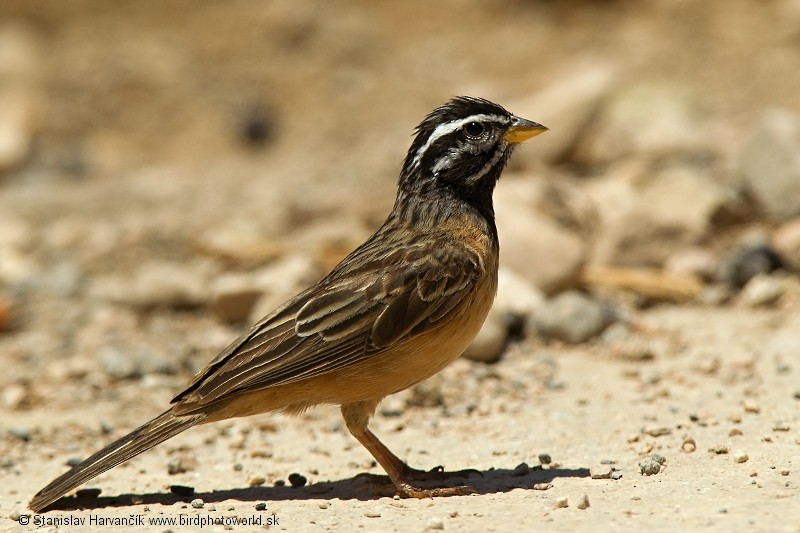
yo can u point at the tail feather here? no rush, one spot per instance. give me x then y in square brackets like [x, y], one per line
[137, 441]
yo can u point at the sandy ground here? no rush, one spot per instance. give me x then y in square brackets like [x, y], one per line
[582, 406]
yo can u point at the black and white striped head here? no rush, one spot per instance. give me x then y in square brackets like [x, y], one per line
[463, 146]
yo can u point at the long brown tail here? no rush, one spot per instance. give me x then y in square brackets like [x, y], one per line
[137, 441]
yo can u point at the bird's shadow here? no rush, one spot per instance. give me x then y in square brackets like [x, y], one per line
[491, 481]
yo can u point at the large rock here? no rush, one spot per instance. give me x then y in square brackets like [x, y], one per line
[543, 247]
[566, 105]
[645, 219]
[770, 163]
[647, 120]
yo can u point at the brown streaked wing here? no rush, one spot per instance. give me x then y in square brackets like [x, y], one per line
[341, 322]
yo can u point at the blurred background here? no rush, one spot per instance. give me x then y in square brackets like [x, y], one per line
[170, 172]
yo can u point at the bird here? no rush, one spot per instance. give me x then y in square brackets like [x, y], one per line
[395, 311]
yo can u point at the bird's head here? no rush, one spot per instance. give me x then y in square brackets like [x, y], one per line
[463, 146]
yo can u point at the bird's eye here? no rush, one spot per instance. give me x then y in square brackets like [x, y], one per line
[474, 129]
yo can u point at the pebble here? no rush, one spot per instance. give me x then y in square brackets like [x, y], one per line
[562, 502]
[657, 431]
[781, 426]
[297, 480]
[372, 514]
[261, 506]
[762, 291]
[650, 467]
[748, 263]
[543, 486]
[720, 449]
[88, 493]
[181, 490]
[616, 475]
[571, 317]
[735, 432]
[15, 515]
[234, 296]
[601, 472]
[521, 469]
[14, 396]
[545, 458]
[179, 465]
[751, 406]
[256, 480]
[583, 503]
[689, 445]
[785, 472]
[197, 503]
[435, 523]
[740, 457]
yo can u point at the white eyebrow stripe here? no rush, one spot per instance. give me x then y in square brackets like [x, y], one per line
[450, 127]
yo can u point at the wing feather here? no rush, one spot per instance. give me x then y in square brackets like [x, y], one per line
[346, 318]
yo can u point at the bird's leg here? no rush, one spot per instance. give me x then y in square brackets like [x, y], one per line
[356, 416]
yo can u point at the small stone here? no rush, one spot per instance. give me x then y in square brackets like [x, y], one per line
[785, 471]
[234, 296]
[649, 467]
[786, 241]
[521, 470]
[15, 515]
[762, 291]
[562, 502]
[735, 432]
[781, 426]
[583, 503]
[660, 459]
[740, 457]
[435, 523]
[197, 503]
[181, 490]
[545, 458]
[88, 493]
[616, 475]
[601, 472]
[297, 480]
[23, 434]
[720, 449]
[261, 506]
[657, 431]
[543, 486]
[179, 465]
[323, 505]
[749, 262]
[255, 480]
[570, 317]
[689, 445]
[372, 514]
[751, 406]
